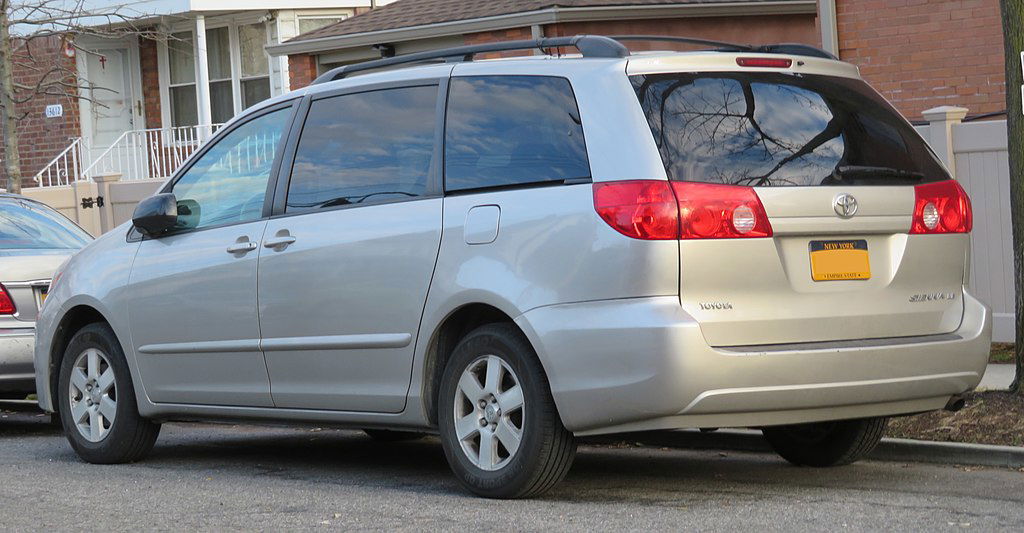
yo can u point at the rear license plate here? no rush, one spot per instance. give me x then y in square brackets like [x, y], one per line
[839, 260]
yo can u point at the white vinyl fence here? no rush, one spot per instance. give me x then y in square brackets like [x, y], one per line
[976, 154]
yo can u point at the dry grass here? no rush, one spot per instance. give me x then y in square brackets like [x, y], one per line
[1002, 352]
[989, 418]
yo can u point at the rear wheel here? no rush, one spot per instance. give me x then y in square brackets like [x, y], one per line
[498, 424]
[826, 443]
[97, 402]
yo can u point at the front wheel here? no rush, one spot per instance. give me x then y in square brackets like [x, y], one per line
[824, 444]
[498, 424]
[97, 403]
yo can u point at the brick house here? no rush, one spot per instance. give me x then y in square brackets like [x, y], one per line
[205, 64]
[919, 53]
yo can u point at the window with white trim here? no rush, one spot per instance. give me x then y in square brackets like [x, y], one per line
[238, 67]
[182, 79]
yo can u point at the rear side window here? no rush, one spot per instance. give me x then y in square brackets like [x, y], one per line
[27, 225]
[364, 148]
[773, 129]
[512, 130]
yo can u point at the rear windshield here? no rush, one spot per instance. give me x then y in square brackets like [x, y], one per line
[27, 225]
[776, 129]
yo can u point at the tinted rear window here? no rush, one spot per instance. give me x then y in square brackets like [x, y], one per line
[775, 129]
[364, 148]
[29, 226]
[512, 130]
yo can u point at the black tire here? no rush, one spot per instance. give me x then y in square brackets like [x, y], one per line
[130, 436]
[546, 449]
[824, 444]
[388, 435]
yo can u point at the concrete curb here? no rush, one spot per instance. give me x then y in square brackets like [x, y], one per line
[890, 450]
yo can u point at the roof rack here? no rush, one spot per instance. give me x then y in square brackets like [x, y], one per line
[588, 45]
[796, 49]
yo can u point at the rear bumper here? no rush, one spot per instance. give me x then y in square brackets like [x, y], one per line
[638, 364]
[16, 354]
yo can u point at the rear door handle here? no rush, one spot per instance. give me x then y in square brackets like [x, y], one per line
[241, 247]
[279, 242]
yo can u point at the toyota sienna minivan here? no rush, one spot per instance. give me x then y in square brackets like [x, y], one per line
[516, 252]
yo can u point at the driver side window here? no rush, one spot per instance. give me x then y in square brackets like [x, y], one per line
[228, 183]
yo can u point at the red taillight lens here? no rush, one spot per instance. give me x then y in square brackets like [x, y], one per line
[640, 209]
[711, 211]
[765, 62]
[941, 207]
[7, 306]
[659, 210]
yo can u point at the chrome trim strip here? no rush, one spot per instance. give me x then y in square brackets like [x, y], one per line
[243, 345]
[32, 283]
[328, 342]
[17, 332]
[755, 349]
[338, 342]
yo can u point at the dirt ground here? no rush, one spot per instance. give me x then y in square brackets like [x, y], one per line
[990, 417]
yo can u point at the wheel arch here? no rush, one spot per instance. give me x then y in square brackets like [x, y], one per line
[74, 319]
[446, 336]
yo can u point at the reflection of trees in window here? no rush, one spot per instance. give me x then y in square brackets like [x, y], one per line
[721, 131]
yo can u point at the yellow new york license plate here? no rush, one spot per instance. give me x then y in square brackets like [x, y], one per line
[839, 260]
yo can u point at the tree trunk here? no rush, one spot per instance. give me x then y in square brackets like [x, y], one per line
[1013, 43]
[8, 120]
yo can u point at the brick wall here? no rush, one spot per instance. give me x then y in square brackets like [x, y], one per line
[301, 70]
[747, 30]
[925, 53]
[41, 138]
[150, 83]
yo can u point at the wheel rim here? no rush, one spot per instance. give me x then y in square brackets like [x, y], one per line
[93, 395]
[489, 413]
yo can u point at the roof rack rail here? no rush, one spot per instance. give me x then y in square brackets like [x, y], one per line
[796, 49]
[588, 45]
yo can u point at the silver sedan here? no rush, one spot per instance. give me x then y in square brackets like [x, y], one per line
[34, 241]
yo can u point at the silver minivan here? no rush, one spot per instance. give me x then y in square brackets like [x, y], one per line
[513, 253]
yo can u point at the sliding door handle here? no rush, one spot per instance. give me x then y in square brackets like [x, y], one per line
[278, 242]
[241, 247]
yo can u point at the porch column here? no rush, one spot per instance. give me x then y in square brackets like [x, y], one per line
[203, 79]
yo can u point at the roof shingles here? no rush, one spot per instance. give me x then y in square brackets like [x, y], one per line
[405, 13]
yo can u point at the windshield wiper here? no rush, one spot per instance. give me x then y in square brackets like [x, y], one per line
[880, 172]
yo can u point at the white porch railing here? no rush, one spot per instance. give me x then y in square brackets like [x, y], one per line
[137, 154]
[66, 168]
[150, 154]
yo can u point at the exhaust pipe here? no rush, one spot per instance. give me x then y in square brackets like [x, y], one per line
[955, 403]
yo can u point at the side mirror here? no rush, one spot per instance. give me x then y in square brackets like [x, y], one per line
[156, 214]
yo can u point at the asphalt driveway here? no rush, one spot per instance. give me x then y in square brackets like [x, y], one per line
[240, 477]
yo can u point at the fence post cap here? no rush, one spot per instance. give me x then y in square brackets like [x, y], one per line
[944, 112]
[107, 178]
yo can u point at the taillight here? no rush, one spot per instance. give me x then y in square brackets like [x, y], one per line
[642, 209]
[765, 62]
[941, 207]
[7, 306]
[711, 211]
[659, 210]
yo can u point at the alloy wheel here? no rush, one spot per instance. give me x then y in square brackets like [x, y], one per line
[93, 395]
[489, 412]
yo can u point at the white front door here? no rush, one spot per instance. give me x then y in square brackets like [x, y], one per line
[111, 95]
[110, 111]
